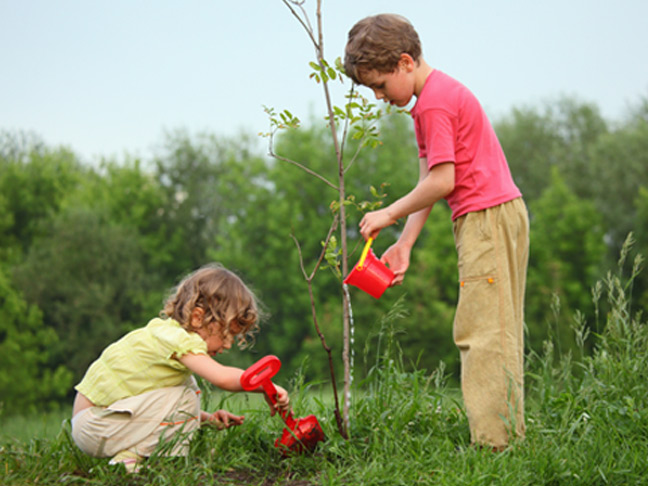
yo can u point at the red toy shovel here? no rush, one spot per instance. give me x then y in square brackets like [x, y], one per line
[299, 434]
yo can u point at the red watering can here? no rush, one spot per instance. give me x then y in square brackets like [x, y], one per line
[370, 274]
[299, 434]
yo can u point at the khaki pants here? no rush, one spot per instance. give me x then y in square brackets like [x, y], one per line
[493, 249]
[140, 423]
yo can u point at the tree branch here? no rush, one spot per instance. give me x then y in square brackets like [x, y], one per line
[304, 168]
[305, 23]
[327, 348]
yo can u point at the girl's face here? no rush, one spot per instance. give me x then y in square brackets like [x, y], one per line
[218, 339]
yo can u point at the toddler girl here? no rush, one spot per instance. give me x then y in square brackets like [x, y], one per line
[141, 393]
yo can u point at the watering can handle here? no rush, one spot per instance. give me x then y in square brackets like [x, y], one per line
[364, 253]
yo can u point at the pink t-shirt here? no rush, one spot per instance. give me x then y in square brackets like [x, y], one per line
[451, 126]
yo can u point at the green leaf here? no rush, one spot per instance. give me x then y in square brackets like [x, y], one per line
[338, 111]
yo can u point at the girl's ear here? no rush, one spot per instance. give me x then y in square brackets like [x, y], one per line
[197, 317]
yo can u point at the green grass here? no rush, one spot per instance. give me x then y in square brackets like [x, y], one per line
[45, 425]
[587, 424]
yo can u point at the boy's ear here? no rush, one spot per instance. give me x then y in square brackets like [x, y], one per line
[197, 315]
[407, 62]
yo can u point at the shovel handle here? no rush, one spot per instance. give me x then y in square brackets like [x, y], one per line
[258, 375]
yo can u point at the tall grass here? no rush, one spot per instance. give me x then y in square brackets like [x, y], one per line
[587, 423]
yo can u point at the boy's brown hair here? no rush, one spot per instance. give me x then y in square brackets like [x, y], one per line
[223, 297]
[377, 42]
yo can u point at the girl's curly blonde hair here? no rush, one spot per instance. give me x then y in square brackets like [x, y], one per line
[224, 298]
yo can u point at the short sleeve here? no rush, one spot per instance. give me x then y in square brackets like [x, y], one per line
[436, 136]
[174, 340]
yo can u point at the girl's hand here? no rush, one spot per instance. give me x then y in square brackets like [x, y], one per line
[221, 419]
[283, 401]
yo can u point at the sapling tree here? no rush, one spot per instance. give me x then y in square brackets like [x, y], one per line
[355, 123]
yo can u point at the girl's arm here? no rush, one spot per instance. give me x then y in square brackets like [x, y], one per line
[226, 377]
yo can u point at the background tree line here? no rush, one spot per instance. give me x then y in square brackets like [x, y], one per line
[88, 253]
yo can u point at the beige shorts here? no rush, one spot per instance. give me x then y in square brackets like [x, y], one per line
[164, 418]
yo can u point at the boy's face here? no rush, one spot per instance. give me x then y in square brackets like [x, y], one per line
[395, 88]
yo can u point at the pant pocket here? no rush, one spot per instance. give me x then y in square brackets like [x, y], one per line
[477, 315]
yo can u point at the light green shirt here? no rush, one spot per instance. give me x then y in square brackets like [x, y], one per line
[141, 361]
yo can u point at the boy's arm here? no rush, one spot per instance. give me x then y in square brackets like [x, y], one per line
[444, 173]
[434, 184]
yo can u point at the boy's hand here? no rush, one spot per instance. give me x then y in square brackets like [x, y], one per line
[283, 401]
[221, 419]
[398, 258]
[373, 222]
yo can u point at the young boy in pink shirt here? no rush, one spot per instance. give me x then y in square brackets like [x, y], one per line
[461, 161]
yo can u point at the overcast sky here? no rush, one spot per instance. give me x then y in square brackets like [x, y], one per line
[107, 78]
